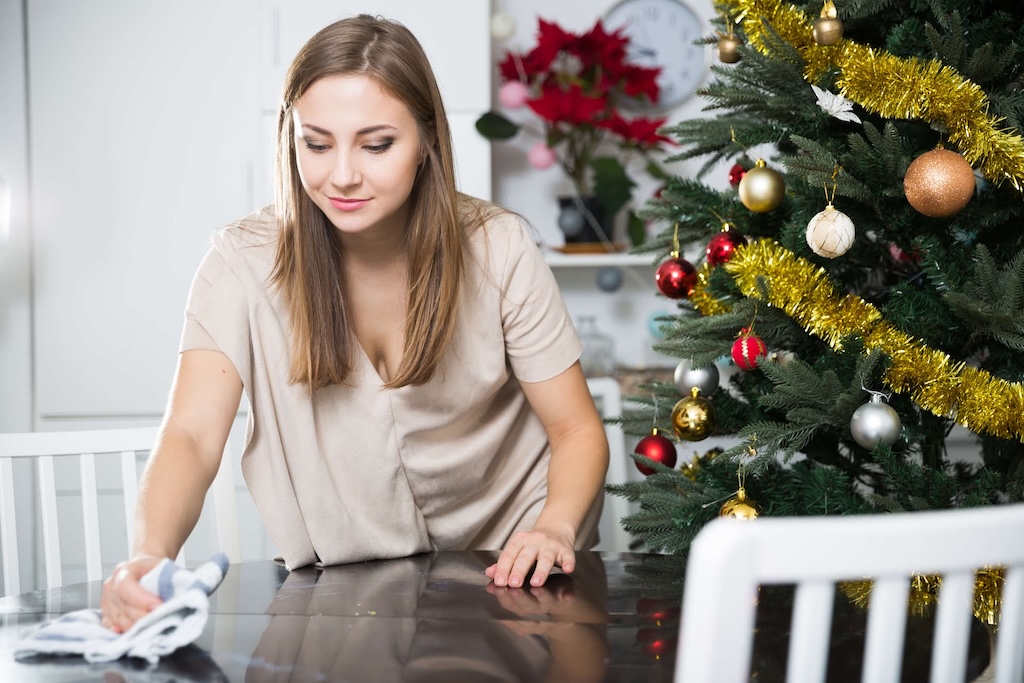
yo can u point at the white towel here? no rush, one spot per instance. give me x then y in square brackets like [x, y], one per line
[178, 621]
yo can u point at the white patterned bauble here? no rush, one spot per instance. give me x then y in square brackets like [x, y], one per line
[830, 233]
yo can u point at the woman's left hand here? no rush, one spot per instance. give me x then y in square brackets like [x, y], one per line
[540, 549]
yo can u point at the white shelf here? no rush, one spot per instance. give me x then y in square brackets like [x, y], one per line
[559, 260]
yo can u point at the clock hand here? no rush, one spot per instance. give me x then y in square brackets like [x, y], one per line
[643, 51]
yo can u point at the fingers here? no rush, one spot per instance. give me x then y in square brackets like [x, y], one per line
[536, 551]
[124, 601]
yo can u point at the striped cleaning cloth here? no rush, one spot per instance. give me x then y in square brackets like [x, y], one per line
[178, 621]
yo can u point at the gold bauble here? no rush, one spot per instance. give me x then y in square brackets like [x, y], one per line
[762, 189]
[740, 507]
[828, 31]
[728, 52]
[693, 417]
[939, 183]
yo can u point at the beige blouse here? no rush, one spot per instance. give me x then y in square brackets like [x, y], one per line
[360, 472]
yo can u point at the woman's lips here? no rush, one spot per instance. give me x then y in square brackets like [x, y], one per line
[348, 204]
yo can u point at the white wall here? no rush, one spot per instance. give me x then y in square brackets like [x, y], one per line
[16, 403]
[625, 313]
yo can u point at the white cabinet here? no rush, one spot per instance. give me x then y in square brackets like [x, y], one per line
[143, 132]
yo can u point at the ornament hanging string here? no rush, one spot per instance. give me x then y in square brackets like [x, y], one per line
[950, 389]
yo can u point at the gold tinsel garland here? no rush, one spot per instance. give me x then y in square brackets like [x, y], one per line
[945, 387]
[893, 87]
[924, 593]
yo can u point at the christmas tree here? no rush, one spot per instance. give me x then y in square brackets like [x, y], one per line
[862, 272]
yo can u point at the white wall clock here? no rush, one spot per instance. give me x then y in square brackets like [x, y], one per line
[662, 33]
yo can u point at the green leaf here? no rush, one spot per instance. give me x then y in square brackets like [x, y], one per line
[494, 126]
[636, 229]
[611, 184]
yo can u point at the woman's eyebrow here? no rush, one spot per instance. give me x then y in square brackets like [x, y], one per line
[361, 131]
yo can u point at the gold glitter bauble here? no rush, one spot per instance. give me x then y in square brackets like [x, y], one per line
[830, 233]
[762, 189]
[727, 49]
[939, 183]
[828, 31]
[693, 417]
[740, 507]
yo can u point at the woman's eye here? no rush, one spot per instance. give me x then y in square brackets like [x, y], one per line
[379, 148]
[313, 147]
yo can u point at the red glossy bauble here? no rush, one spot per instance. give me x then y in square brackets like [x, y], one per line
[658, 610]
[655, 641]
[736, 174]
[722, 245]
[657, 448]
[676, 278]
[747, 349]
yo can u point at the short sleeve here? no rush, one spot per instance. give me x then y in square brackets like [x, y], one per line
[540, 339]
[216, 313]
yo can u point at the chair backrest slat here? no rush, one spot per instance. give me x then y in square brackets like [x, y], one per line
[953, 626]
[1010, 637]
[50, 521]
[90, 516]
[808, 643]
[130, 487]
[887, 615]
[9, 528]
[89, 448]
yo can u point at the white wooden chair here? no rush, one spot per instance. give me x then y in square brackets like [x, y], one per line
[729, 559]
[88, 446]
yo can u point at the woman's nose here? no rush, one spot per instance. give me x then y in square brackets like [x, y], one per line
[345, 172]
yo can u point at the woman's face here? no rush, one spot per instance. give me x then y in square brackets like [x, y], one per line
[358, 150]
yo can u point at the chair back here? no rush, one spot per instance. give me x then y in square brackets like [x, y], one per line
[729, 559]
[121, 446]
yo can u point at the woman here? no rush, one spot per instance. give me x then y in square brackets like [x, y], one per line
[411, 370]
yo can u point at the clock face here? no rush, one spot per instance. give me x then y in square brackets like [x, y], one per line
[661, 34]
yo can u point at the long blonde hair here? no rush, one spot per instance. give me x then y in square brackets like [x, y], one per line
[308, 265]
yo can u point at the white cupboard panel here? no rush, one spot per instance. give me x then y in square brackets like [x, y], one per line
[144, 123]
[472, 156]
[456, 40]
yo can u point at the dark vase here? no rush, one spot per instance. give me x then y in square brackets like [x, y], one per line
[579, 228]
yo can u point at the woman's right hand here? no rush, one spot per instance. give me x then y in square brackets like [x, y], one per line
[124, 600]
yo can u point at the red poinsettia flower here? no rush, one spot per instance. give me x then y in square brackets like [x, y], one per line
[569, 105]
[640, 81]
[640, 130]
[577, 84]
[597, 46]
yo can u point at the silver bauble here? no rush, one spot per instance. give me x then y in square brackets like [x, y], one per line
[571, 221]
[609, 278]
[686, 377]
[875, 422]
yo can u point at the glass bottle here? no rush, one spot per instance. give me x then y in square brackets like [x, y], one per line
[598, 357]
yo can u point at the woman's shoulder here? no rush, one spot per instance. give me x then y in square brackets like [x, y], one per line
[493, 230]
[257, 231]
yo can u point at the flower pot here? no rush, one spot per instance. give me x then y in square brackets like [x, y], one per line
[586, 224]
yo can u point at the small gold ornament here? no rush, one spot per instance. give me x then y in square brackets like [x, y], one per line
[693, 417]
[728, 52]
[939, 183]
[828, 28]
[740, 507]
[762, 189]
